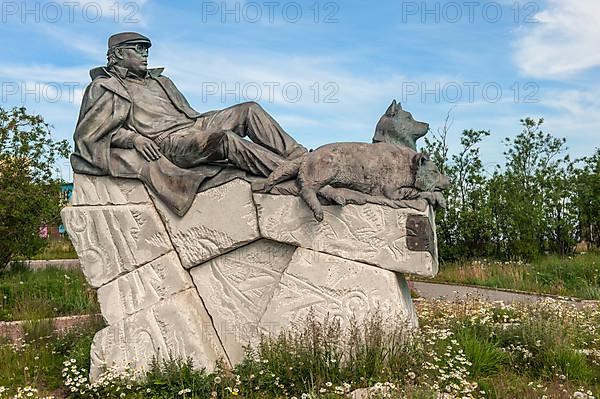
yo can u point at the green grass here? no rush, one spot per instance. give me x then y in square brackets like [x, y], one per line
[511, 349]
[483, 352]
[59, 249]
[38, 361]
[577, 276]
[51, 292]
[471, 349]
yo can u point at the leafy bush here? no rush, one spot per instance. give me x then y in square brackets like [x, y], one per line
[29, 190]
[539, 201]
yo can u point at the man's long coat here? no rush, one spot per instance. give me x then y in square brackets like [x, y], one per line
[104, 110]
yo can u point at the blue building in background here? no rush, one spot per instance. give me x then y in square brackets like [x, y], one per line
[66, 191]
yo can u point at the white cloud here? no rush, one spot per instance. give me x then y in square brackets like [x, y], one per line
[359, 98]
[93, 48]
[43, 84]
[43, 73]
[191, 67]
[564, 42]
[578, 104]
[575, 116]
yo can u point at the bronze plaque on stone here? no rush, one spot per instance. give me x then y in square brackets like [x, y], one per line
[419, 234]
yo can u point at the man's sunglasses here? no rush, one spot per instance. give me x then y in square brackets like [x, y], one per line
[139, 48]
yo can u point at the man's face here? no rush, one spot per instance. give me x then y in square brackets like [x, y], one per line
[134, 57]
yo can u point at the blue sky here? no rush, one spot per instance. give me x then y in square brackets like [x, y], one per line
[328, 69]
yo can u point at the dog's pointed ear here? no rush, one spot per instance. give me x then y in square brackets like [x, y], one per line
[391, 111]
[399, 107]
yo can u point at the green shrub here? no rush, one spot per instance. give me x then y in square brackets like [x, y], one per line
[29, 192]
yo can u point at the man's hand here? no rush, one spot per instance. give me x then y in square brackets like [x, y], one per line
[147, 148]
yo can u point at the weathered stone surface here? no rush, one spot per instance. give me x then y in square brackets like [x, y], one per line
[236, 265]
[372, 234]
[338, 288]
[236, 288]
[220, 219]
[105, 190]
[143, 287]
[178, 326]
[113, 240]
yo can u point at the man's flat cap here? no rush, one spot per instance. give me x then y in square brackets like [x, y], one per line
[127, 38]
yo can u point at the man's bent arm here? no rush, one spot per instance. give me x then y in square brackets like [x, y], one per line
[123, 138]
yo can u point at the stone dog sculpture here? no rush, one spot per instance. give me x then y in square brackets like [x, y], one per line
[398, 126]
[389, 168]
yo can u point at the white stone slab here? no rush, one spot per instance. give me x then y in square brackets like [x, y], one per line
[113, 240]
[336, 288]
[236, 288]
[143, 287]
[252, 268]
[105, 190]
[372, 234]
[178, 327]
[220, 219]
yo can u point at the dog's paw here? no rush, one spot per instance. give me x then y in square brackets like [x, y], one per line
[319, 215]
[333, 195]
[339, 199]
[435, 199]
[440, 200]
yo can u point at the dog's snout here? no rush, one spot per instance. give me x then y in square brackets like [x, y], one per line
[444, 182]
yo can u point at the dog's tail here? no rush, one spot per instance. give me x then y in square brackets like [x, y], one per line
[286, 171]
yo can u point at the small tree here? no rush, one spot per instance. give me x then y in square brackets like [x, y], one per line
[587, 199]
[29, 191]
[464, 225]
[538, 209]
[528, 207]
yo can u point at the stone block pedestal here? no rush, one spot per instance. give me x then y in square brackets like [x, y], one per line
[237, 265]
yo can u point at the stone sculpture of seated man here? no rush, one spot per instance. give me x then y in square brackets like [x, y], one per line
[129, 107]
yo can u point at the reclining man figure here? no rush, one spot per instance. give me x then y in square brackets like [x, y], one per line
[128, 106]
